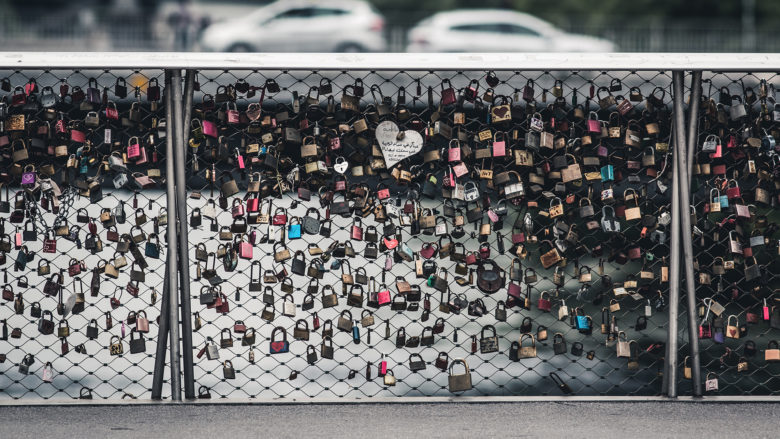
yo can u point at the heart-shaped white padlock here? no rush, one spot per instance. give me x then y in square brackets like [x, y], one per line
[397, 147]
[341, 165]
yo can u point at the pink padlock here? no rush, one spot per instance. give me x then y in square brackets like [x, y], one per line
[766, 311]
[238, 208]
[60, 127]
[133, 149]
[382, 192]
[232, 113]
[594, 125]
[77, 136]
[499, 146]
[142, 158]
[453, 154]
[245, 249]
[209, 128]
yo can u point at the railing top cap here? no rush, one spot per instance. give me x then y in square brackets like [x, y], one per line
[746, 62]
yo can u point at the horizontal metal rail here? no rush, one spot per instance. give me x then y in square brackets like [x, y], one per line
[750, 62]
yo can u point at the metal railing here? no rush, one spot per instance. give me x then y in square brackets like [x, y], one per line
[294, 375]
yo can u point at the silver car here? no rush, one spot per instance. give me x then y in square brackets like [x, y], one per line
[497, 30]
[300, 26]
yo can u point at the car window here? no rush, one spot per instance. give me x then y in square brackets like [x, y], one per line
[520, 30]
[480, 27]
[295, 13]
[327, 12]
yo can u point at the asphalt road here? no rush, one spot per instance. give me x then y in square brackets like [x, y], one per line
[528, 420]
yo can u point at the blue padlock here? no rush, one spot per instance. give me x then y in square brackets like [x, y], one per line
[607, 173]
[356, 333]
[294, 228]
[152, 249]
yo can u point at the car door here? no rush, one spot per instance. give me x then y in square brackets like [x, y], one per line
[476, 37]
[326, 25]
[518, 38]
[285, 32]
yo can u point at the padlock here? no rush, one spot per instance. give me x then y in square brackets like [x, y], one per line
[279, 346]
[459, 382]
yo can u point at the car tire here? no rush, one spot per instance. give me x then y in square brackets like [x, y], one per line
[241, 47]
[350, 48]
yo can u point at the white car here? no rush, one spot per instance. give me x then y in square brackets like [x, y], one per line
[496, 30]
[300, 26]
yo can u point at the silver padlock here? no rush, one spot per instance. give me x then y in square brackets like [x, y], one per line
[710, 143]
[212, 352]
[120, 180]
[441, 226]
[608, 222]
[458, 192]
[664, 218]
[209, 210]
[658, 236]
[471, 191]
[648, 309]
[536, 123]
[289, 306]
[737, 109]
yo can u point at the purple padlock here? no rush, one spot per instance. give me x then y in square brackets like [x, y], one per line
[28, 178]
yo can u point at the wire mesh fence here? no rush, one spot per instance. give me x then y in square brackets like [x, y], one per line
[735, 177]
[513, 225]
[319, 298]
[79, 219]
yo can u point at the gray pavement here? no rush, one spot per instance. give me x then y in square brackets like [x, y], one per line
[564, 419]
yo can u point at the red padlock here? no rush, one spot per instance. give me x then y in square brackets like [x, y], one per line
[383, 296]
[544, 304]
[253, 204]
[484, 250]
[357, 229]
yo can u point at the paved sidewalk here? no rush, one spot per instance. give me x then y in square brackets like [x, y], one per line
[625, 420]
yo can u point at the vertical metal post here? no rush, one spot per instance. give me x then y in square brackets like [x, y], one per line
[162, 337]
[674, 267]
[164, 326]
[175, 78]
[693, 120]
[687, 235]
[180, 163]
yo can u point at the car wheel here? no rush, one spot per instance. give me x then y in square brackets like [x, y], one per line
[241, 47]
[350, 48]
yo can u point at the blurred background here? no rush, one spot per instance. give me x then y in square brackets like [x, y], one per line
[391, 25]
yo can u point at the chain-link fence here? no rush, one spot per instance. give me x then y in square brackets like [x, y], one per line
[80, 221]
[517, 164]
[343, 223]
[735, 175]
